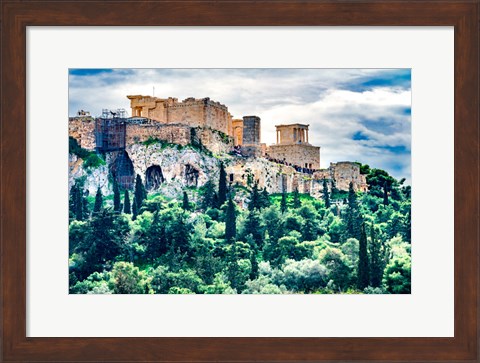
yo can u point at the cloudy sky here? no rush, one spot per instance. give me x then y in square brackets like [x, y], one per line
[354, 114]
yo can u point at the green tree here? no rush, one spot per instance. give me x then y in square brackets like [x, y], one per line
[107, 233]
[222, 186]
[134, 208]
[283, 202]
[352, 218]
[140, 193]
[208, 199]
[98, 201]
[79, 204]
[127, 209]
[254, 263]
[326, 195]
[127, 279]
[385, 193]
[254, 197]
[363, 269]
[185, 203]
[264, 199]
[154, 237]
[377, 259]
[253, 226]
[230, 221]
[296, 199]
[397, 277]
[117, 206]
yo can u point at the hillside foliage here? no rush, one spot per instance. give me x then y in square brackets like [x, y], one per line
[212, 241]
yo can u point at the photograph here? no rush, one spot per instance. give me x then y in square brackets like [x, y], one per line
[239, 181]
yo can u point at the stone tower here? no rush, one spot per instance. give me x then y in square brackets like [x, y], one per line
[293, 147]
[251, 136]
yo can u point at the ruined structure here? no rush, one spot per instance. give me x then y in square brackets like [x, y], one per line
[197, 133]
[191, 111]
[293, 147]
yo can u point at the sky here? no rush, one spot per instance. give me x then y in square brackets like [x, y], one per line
[359, 115]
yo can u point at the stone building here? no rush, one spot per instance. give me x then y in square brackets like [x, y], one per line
[191, 111]
[293, 147]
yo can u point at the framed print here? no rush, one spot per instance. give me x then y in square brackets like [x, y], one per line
[188, 181]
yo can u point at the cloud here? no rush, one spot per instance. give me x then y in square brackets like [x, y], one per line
[354, 114]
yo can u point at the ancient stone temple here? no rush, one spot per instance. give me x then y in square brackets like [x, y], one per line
[293, 147]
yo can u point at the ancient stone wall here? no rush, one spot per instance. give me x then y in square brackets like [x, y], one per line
[237, 132]
[82, 129]
[299, 154]
[345, 172]
[214, 140]
[174, 134]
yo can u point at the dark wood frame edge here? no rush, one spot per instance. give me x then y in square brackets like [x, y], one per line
[16, 16]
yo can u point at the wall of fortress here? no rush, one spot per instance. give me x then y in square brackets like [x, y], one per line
[174, 134]
[82, 129]
[192, 112]
[297, 154]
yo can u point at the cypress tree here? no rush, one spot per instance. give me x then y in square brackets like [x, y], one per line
[98, 201]
[230, 221]
[222, 186]
[283, 202]
[385, 194]
[264, 199]
[353, 218]
[127, 209]
[326, 196]
[254, 263]
[117, 206]
[85, 211]
[134, 209]
[296, 199]
[254, 197]
[78, 203]
[72, 201]
[140, 193]
[363, 269]
[376, 260]
[253, 226]
[185, 203]
[208, 195]
[233, 271]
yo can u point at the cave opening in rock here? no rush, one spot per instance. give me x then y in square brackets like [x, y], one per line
[191, 175]
[122, 169]
[154, 177]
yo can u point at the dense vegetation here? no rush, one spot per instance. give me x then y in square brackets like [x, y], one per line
[242, 240]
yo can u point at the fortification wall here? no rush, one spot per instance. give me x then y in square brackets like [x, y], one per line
[192, 112]
[298, 154]
[82, 129]
[215, 141]
[188, 113]
[345, 172]
[174, 134]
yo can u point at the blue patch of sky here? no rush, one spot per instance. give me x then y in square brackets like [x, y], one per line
[395, 78]
[358, 136]
[398, 149]
[88, 71]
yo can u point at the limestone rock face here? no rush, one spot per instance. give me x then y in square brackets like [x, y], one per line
[94, 177]
[170, 169]
[176, 167]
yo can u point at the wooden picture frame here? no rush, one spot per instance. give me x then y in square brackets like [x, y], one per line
[18, 15]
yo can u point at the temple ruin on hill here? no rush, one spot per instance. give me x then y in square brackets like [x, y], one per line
[207, 124]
